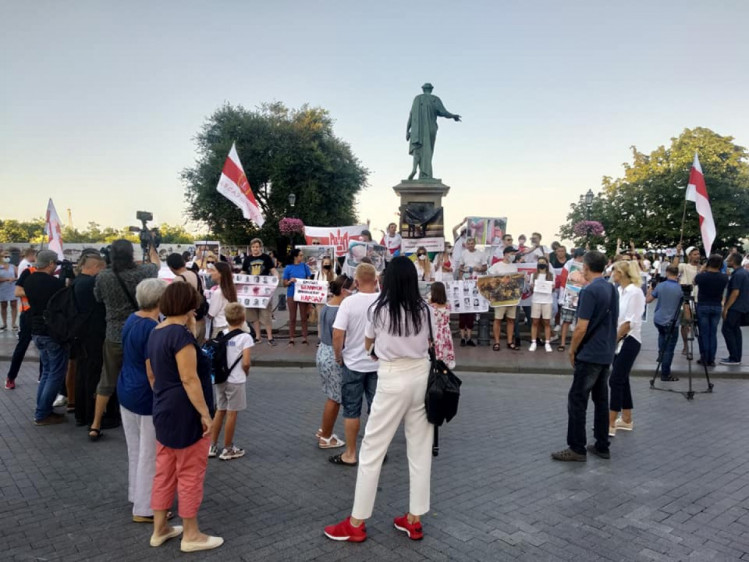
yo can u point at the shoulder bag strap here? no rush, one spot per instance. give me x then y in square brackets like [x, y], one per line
[127, 293]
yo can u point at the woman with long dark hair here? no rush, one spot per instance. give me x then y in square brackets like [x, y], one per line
[222, 293]
[397, 334]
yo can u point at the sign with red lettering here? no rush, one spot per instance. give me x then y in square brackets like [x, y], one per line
[313, 292]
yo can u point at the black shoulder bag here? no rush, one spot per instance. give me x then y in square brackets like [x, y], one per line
[443, 387]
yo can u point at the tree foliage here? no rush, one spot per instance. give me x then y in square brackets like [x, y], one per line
[22, 231]
[283, 151]
[646, 205]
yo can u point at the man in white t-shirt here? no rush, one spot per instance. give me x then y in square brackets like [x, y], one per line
[29, 259]
[231, 396]
[536, 250]
[687, 272]
[472, 262]
[359, 378]
[508, 313]
[392, 240]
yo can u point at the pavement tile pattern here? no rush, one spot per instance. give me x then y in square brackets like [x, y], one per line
[676, 488]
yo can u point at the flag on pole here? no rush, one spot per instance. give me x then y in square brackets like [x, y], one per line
[234, 186]
[53, 230]
[697, 192]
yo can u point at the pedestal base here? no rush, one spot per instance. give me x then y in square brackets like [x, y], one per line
[421, 207]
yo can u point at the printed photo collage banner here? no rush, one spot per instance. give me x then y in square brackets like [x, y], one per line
[255, 291]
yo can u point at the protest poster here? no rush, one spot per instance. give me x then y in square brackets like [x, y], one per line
[338, 236]
[421, 220]
[359, 250]
[255, 291]
[205, 251]
[527, 269]
[501, 290]
[575, 283]
[543, 287]
[309, 291]
[314, 254]
[432, 245]
[464, 297]
[487, 231]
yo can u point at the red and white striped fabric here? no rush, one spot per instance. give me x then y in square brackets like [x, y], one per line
[53, 230]
[697, 192]
[234, 186]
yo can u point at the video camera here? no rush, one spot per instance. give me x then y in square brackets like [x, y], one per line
[147, 236]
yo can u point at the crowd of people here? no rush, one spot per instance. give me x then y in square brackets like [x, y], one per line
[139, 356]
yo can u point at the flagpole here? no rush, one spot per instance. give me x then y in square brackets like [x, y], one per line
[683, 218]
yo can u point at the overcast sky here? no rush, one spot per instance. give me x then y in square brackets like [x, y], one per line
[100, 100]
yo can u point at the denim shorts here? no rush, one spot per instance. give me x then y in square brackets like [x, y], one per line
[354, 386]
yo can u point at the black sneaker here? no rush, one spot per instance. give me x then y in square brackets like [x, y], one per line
[462, 342]
[471, 343]
[594, 450]
[568, 455]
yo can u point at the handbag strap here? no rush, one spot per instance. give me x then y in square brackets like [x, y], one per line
[127, 293]
[432, 353]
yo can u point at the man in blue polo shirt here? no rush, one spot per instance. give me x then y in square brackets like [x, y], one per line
[666, 318]
[591, 353]
[736, 306]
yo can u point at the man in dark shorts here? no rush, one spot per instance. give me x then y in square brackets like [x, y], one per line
[258, 263]
[591, 353]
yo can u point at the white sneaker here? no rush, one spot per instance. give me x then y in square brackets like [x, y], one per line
[621, 424]
[557, 328]
[532, 347]
[232, 453]
[554, 338]
[213, 452]
[547, 347]
[60, 401]
[612, 431]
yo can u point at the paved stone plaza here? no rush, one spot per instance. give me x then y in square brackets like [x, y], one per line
[676, 488]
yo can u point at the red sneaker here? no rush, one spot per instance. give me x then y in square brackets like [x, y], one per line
[345, 531]
[413, 530]
[9, 384]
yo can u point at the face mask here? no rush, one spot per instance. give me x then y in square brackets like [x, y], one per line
[422, 257]
[6, 260]
[326, 267]
[541, 266]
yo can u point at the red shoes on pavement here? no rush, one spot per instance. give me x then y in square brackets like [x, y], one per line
[345, 531]
[413, 530]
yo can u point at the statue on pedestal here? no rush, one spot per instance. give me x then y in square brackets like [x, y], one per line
[421, 130]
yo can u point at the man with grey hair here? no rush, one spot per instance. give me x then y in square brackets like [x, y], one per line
[38, 289]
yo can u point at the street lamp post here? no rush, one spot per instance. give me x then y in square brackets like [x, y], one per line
[588, 204]
[292, 200]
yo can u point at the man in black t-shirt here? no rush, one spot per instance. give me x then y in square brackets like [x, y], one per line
[39, 288]
[258, 263]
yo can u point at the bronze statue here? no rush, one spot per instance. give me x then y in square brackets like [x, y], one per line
[421, 130]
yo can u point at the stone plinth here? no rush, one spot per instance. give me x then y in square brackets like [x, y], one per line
[421, 207]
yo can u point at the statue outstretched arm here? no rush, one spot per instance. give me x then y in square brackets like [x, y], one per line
[442, 112]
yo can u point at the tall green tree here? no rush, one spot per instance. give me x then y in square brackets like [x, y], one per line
[283, 151]
[12, 230]
[646, 204]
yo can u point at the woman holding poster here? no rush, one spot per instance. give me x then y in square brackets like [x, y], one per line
[293, 272]
[542, 283]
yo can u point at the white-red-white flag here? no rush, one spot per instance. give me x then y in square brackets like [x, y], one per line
[697, 192]
[234, 186]
[53, 230]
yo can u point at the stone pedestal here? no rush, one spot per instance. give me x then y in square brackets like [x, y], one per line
[421, 207]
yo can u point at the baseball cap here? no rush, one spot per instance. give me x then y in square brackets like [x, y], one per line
[578, 252]
[509, 249]
[44, 258]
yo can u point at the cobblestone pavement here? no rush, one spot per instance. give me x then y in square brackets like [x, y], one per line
[677, 487]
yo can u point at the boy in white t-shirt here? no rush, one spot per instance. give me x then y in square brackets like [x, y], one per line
[231, 396]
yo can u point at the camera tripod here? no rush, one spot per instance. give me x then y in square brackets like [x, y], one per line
[690, 321]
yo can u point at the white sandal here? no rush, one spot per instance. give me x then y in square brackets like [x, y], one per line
[326, 443]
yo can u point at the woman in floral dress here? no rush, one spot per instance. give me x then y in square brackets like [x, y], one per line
[443, 338]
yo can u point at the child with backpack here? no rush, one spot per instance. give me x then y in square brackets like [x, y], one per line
[231, 363]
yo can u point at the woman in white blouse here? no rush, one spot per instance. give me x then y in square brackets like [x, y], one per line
[629, 338]
[397, 334]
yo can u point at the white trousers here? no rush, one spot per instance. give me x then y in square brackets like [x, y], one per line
[141, 456]
[401, 386]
